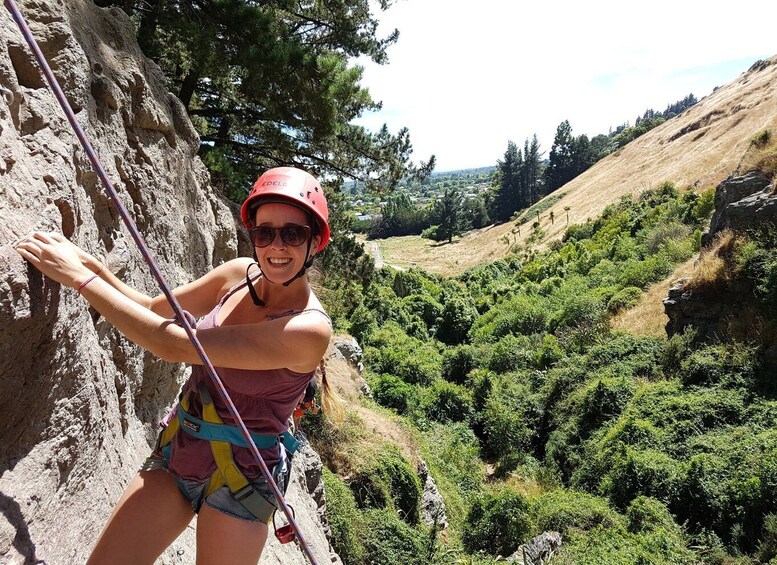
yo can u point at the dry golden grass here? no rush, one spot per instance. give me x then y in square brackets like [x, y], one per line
[699, 148]
[443, 258]
[365, 430]
[647, 318]
[761, 154]
[717, 263]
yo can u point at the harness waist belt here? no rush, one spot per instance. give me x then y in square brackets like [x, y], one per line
[231, 434]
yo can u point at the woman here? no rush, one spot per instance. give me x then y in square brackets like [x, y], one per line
[265, 332]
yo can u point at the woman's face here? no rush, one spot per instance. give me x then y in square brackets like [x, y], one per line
[280, 261]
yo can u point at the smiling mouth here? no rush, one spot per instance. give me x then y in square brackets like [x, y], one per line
[278, 262]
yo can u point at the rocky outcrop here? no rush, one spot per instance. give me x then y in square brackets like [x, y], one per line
[432, 502]
[537, 551]
[742, 202]
[709, 317]
[348, 348]
[80, 403]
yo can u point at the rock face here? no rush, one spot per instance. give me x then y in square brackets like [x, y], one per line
[741, 203]
[79, 403]
[432, 502]
[350, 350]
[537, 550]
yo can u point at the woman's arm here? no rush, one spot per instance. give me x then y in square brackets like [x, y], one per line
[297, 342]
[197, 297]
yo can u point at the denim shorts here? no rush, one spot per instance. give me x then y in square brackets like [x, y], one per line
[221, 499]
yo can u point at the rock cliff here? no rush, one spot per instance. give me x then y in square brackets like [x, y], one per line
[79, 403]
[742, 203]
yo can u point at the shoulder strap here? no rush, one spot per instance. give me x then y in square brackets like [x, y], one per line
[240, 283]
[288, 313]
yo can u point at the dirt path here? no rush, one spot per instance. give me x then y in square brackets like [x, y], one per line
[376, 254]
[379, 262]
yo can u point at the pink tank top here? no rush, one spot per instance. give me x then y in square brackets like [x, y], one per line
[265, 401]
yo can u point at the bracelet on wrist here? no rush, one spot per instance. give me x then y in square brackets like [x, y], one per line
[86, 282]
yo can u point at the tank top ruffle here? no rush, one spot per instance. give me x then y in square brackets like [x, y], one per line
[265, 401]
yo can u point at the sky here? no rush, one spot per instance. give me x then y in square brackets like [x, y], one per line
[467, 76]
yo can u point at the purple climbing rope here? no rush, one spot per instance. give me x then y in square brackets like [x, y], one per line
[21, 22]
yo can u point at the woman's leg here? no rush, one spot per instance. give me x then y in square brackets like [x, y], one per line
[222, 538]
[151, 513]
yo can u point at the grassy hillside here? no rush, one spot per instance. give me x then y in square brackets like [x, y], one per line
[698, 149]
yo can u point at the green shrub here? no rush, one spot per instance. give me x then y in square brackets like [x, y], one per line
[425, 307]
[497, 523]
[642, 472]
[761, 139]
[390, 541]
[647, 514]
[704, 206]
[562, 509]
[605, 399]
[393, 392]
[624, 299]
[628, 355]
[582, 310]
[664, 233]
[511, 353]
[649, 270]
[518, 315]
[394, 352]
[447, 402]
[389, 481]
[549, 352]
[767, 549]
[406, 283]
[432, 232]
[363, 324]
[579, 232]
[508, 421]
[344, 519]
[458, 361]
[617, 546]
[452, 454]
[458, 315]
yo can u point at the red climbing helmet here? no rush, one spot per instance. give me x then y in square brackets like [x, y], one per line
[289, 186]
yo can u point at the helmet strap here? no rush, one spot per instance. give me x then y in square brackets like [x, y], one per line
[305, 267]
[251, 290]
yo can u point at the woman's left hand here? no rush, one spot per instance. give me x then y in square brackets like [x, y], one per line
[54, 256]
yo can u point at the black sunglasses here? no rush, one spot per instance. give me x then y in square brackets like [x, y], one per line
[291, 234]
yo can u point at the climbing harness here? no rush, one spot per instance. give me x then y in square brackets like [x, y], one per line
[156, 273]
[221, 437]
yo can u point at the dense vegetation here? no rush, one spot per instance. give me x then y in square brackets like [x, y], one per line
[637, 449]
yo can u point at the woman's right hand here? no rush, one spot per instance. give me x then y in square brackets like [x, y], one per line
[53, 256]
[87, 260]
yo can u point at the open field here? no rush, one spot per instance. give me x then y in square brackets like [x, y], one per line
[443, 258]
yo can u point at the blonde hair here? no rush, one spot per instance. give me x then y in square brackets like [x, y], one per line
[330, 400]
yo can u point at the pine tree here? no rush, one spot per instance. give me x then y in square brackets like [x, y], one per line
[507, 198]
[272, 83]
[560, 166]
[450, 214]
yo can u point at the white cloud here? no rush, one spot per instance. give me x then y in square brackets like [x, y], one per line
[465, 77]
